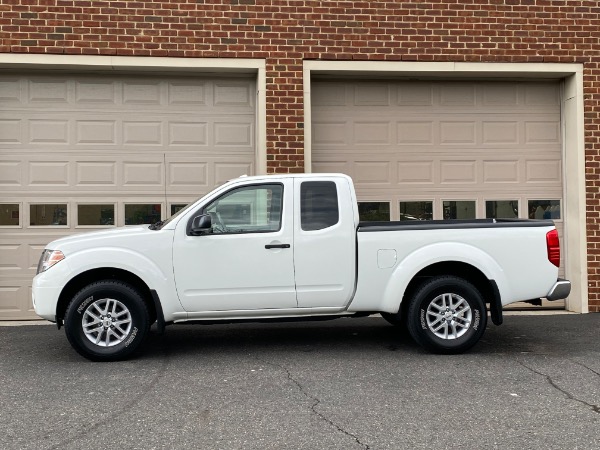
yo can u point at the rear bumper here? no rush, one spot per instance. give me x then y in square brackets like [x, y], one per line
[560, 290]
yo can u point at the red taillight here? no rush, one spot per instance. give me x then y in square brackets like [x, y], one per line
[553, 247]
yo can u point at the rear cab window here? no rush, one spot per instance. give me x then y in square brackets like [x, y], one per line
[319, 207]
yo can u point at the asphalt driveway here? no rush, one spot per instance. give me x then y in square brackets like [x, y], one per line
[531, 383]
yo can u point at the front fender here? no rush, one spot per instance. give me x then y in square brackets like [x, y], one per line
[426, 256]
[158, 275]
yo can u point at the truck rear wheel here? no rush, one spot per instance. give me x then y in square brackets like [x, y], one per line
[446, 315]
[107, 321]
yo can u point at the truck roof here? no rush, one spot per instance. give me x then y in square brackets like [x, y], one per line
[290, 175]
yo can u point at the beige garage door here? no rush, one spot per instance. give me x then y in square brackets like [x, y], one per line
[94, 152]
[443, 150]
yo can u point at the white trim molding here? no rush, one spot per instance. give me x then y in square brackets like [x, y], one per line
[157, 65]
[573, 126]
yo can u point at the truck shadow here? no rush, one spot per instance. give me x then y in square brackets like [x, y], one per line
[546, 335]
[342, 335]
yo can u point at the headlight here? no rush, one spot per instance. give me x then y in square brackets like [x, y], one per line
[48, 259]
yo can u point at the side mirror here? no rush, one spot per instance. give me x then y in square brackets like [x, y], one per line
[201, 225]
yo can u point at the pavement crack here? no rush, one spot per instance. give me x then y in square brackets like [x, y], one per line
[568, 395]
[128, 406]
[588, 368]
[315, 403]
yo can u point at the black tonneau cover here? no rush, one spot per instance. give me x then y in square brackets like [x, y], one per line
[456, 224]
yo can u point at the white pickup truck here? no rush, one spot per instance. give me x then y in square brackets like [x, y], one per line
[291, 246]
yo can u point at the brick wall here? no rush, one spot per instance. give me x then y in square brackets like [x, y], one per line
[286, 32]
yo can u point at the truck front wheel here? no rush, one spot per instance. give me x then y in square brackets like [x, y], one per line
[446, 315]
[107, 321]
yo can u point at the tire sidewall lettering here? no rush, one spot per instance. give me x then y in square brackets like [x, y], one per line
[131, 337]
[84, 304]
[476, 320]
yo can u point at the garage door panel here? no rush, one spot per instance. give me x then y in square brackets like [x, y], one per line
[96, 131]
[148, 174]
[541, 95]
[233, 134]
[500, 95]
[495, 132]
[15, 300]
[94, 174]
[188, 133]
[18, 256]
[458, 172]
[332, 166]
[184, 173]
[48, 131]
[225, 171]
[505, 171]
[416, 172]
[11, 172]
[142, 133]
[372, 133]
[11, 298]
[457, 94]
[204, 172]
[11, 89]
[542, 132]
[49, 174]
[233, 93]
[10, 131]
[415, 132]
[12, 258]
[371, 94]
[548, 172]
[373, 172]
[48, 90]
[415, 94]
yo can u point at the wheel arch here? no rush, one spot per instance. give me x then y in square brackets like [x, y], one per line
[464, 270]
[488, 288]
[105, 273]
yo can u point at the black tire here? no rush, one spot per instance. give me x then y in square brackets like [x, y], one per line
[113, 314]
[446, 315]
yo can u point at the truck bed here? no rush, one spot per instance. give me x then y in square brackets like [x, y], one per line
[451, 224]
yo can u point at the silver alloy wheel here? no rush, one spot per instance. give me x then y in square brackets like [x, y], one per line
[106, 322]
[449, 316]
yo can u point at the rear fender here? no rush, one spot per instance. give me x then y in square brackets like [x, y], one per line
[426, 256]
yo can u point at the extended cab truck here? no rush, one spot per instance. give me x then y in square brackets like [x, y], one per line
[291, 246]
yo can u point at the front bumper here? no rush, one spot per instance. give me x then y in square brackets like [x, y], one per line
[45, 298]
[560, 290]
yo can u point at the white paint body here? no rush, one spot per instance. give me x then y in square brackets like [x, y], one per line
[336, 270]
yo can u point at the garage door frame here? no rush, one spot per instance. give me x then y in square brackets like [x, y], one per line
[572, 107]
